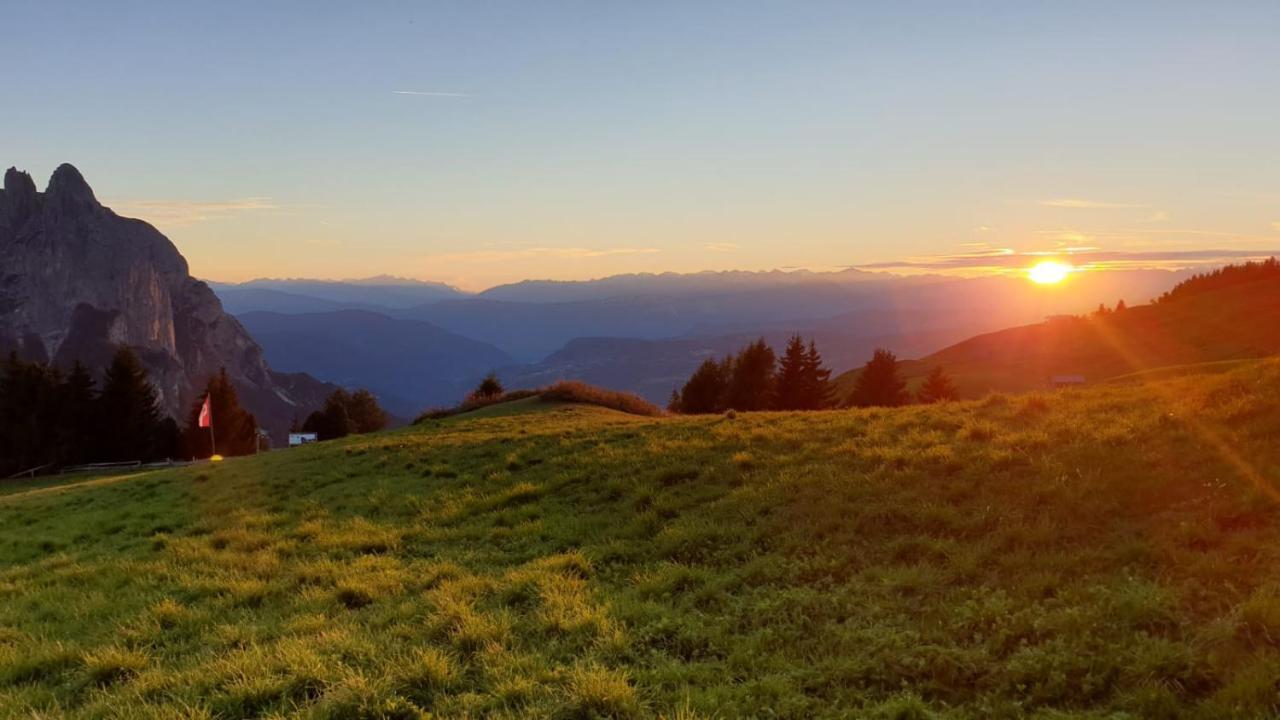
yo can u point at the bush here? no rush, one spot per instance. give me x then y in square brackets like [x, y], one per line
[580, 392]
[571, 391]
[489, 387]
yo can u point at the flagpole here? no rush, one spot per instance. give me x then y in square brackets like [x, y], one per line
[213, 449]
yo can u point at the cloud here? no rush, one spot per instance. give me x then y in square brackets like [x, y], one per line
[1081, 204]
[1158, 216]
[721, 246]
[181, 213]
[1097, 259]
[1275, 226]
[564, 253]
[424, 93]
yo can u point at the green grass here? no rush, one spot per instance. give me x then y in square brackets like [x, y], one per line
[15, 486]
[1094, 553]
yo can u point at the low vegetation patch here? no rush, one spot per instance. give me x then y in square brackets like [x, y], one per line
[1107, 552]
[580, 392]
[566, 391]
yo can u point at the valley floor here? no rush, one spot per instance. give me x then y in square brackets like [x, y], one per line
[1110, 552]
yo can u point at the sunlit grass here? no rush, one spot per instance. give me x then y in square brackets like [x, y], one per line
[1088, 553]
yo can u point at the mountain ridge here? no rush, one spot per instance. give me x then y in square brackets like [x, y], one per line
[1232, 322]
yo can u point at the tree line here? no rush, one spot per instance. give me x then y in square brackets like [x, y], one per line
[756, 379]
[345, 413]
[1226, 276]
[56, 418]
[50, 418]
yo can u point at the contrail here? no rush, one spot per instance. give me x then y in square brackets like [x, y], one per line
[429, 94]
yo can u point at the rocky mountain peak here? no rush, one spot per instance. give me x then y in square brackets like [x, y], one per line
[18, 183]
[76, 282]
[68, 190]
[18, 200]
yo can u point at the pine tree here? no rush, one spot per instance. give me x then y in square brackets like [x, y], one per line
[29, 414]
[78, 416]
[879, 384]
[792, 389]
[673, 403]
[705, 390]
[129, 411]
[1120, 306]
[937, 388]
[751, 382]
[235, 430]
[817, 380]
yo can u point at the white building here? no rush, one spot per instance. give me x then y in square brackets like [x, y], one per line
[301, 438]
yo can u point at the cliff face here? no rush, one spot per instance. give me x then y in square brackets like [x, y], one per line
[77, 280]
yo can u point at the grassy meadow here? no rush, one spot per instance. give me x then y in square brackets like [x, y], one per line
[1106, 552]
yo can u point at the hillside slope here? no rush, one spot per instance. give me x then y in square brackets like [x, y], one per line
[1109, 552]
[1224, 323]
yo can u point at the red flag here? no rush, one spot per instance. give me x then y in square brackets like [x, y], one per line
[206, 414]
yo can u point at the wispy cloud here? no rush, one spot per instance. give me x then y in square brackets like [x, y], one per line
[1275, 226]
[721, 246]
[1082, 204]
[564, 253]
[1083, 257]
[1158, 216]
[425, 93]
[181, 213]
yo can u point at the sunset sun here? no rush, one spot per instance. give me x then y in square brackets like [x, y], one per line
[1049, 272]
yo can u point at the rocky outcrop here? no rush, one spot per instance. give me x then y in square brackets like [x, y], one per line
[77, 280]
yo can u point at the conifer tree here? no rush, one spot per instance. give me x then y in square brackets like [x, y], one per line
[28, 415]
[235, 430]
[705, 390]
[751, 381]
[673, 403]
[879, 384]
[937, 388]
[817, 380]
[129, 411]
[792, 385]
[78, 421]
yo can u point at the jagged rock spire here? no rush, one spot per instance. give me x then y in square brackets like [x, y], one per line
[18, 183]
[68, 189]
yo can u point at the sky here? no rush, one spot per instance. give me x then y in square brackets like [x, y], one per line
[477, 143]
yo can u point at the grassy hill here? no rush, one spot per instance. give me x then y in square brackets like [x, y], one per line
[1213, 323]
[1110, 552]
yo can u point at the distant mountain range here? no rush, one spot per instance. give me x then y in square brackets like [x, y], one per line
[423, 344]
[408, 364]
[298, 296]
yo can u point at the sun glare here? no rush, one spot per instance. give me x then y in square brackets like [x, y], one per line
[1049, 272]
